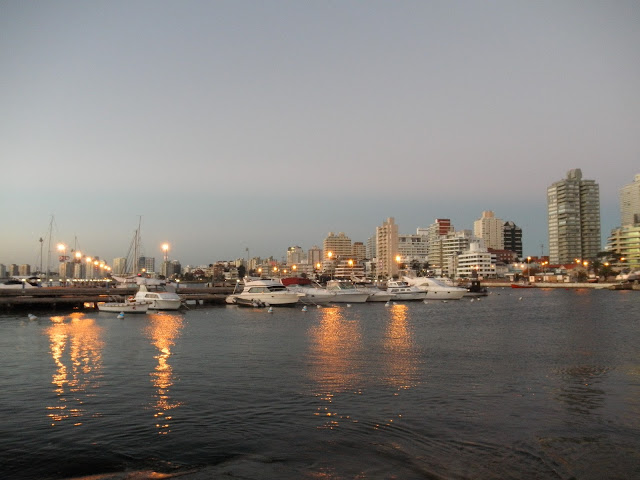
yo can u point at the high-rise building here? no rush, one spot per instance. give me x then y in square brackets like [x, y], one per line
[630, 203]
[573, 208]
[314, 255]
[438, 229]
[359, 251]
[490, 230]
[24, 269]
[338, 245]
[3, 271]
[387, 248]
[119, 266]
[294, 255]
[371, 247]
[624, 242]
[512, 238]
[146, 264]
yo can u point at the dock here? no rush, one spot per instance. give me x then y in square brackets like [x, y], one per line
[87, 298]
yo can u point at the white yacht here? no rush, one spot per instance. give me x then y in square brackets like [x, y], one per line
[346, 292]
[263, 293]
[436, 288]
[403, 291]
[159, 297]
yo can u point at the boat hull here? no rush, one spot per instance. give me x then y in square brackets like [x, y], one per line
[126, 307]
[350, 298]
[266, 299]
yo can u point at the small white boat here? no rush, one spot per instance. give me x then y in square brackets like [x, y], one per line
[263, 293]
[130, 305]
[404, 291]
[346, 292]
[159, 297]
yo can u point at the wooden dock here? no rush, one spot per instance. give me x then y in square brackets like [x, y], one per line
[81, 298]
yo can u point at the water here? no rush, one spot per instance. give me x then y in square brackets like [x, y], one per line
[522, 384]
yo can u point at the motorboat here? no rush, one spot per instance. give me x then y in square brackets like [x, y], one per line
[346, 292]
[264, 293]
[403, 291]
[18, 283]
[436, 288]
[310, 293]
[130, 305]
[159, 296]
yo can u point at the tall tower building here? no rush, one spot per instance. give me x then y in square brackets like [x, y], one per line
[630, 203]
[513, 238]
[490, 230]
[573, 210]
[314, 255]
[387, 248]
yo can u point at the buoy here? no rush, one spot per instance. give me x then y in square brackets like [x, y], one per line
[388, 304]
[425, 302]
[304, 309]
[32, 316]
[318, 306]
[348, 305]
[472, 299]
[270, 310]
[520, 298]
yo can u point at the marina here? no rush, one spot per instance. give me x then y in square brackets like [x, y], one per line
[528, 384]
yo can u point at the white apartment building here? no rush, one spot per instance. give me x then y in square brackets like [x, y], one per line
[630, 203]
[359, 251]
[443, 252]
[387, 248]
[490, 229]
[413, 248]
[476, 259]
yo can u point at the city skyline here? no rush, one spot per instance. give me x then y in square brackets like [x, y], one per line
[229, 126]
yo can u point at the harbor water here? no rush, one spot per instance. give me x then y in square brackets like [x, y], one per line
[522, 384]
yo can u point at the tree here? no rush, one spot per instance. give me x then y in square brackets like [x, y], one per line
[241, 271]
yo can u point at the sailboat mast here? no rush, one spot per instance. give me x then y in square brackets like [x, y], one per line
[49, 248]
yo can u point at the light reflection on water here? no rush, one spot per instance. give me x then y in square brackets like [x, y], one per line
[163, 330]
[398, 344]
[76, 349]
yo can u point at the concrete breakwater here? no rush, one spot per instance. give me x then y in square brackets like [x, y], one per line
[80, 298]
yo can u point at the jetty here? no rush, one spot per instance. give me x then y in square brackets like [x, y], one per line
[87, 298]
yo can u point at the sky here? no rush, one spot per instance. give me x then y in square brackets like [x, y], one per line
[234, 125]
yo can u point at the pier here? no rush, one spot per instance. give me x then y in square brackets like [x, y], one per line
[87, 298]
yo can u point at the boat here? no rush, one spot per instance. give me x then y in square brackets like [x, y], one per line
[476, 290]
[346, 292]
[310, 294]
[130, 305]
[403, 291]
[522, 285]
[18, 283]
[158, 294]
[263, 293]
[436, 288]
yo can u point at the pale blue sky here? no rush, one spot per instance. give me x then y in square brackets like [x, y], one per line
[265, 124]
